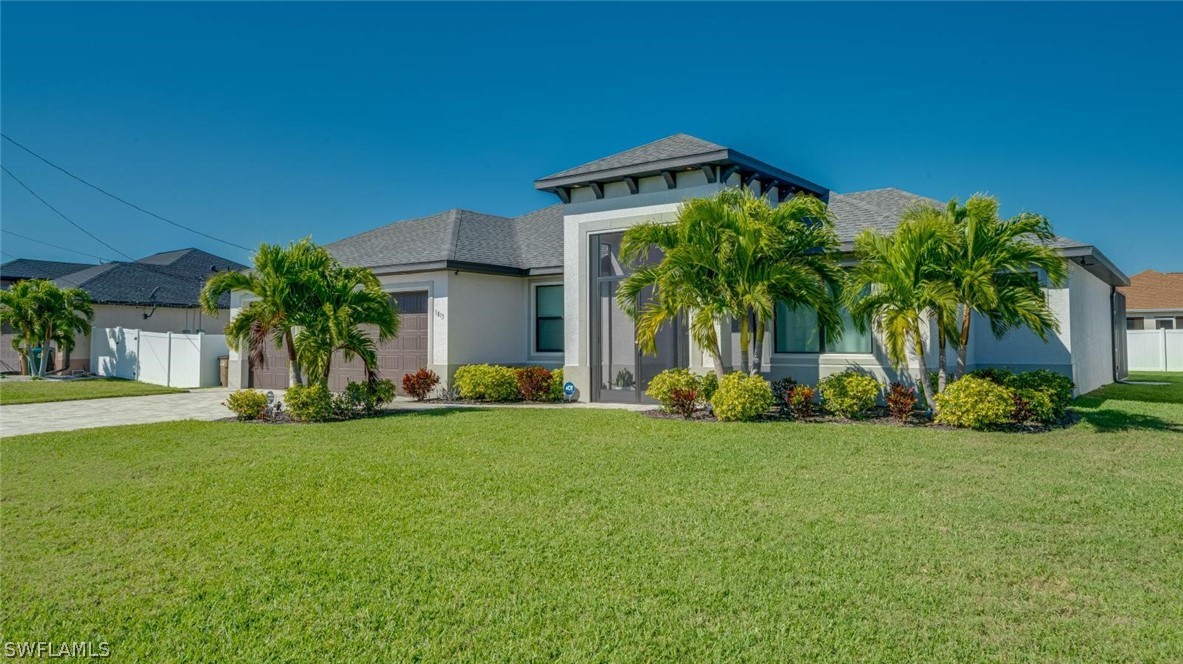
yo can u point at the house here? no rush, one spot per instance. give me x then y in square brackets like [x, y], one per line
[1154, 301]
[540, 288]
[157, 293]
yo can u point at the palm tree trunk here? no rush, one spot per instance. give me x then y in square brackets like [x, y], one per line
[294, 377]
[925, 383]
[744, 341]
[44, 356]
[717, 356]
[941, 362]
[963, 349]
[758, 349]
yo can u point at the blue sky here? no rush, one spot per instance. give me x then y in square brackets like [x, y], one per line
[268, 122]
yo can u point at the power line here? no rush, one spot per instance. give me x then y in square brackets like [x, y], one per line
[63, 216]
[121, 200]
[33, 239]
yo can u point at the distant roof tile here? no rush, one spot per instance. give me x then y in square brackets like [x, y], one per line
[1150, 289]
[30, 268]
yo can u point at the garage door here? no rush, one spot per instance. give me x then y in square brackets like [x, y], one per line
[404, 354]
[273, 373]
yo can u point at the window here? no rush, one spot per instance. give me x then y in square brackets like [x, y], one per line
[1134, 324]
[1164, 323]
[548, 319]
[797, 331]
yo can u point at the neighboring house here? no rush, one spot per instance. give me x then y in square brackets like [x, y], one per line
[157, 293]
[540, 288]
[1154, 301]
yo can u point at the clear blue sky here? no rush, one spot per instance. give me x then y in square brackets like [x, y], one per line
[272, 121]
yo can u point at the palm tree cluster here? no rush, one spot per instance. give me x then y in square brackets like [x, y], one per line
[734, 256]
[304, 301]
[41, 313]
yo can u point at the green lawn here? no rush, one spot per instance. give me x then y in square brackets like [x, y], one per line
[40, 391]
[531, 534]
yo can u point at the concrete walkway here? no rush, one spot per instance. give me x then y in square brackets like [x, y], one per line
[203, 404]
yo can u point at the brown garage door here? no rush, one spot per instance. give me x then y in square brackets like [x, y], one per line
[273, 374]
[404, 354]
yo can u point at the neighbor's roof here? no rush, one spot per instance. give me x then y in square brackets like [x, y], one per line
[461, 239]
[168, 279]
[1151, 290]
[30, 268]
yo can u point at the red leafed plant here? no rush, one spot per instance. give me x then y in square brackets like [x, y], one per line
[684, 402]
[420, 383]
[799, 401]
[534, 383]
[901, 400]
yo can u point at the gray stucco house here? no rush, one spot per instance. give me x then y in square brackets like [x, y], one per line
[539, 288]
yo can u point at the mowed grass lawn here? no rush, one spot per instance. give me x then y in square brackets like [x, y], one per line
[530, 534]
[40, 391]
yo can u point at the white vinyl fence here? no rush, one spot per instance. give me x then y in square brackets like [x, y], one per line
[163, 358]
[1155, 350]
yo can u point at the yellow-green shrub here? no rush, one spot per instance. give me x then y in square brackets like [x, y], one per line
[309, 403]
[741, 397]
[975, 402]
[247, 404]
[556, 385]
[665, 383]
[486, 382]
[849, 393]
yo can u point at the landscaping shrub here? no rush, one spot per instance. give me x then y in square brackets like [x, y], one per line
[486, 382]
[741, 397]
[420, 384]
[534, 383]
[309, 403]
[799, 403]
[849, 393]
[365, 398]
[683, 401]
[556, 385]
[901, 401]
[975, 402]
[708, 384]
[664, 383]
[247, 404]
[1033, 406]
[1057, 387]
[780, 394]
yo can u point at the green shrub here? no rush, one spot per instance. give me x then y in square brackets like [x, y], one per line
[741, 397]
[1033, 405]
[247, 404]
[533, 383]
[849, 393]
[664, 383]
[309, 403]
[708, 384]
[1057, 387]
[363, 398]
[996, 376]
[975, 402]
[487, 382]
[556, 385]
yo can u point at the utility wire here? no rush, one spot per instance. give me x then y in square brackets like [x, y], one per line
[121, 200]
[33, 239]
[63, 216]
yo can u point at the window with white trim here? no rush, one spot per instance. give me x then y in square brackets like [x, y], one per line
[548, 319]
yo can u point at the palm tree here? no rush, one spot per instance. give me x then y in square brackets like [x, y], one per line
[42, 313]
[348, 298]
[281, 282]
[732, 255]
[18, 311]
[992, 267]
[899, 284]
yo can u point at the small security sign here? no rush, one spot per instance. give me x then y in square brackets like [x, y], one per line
[569, 389]
[270, 397]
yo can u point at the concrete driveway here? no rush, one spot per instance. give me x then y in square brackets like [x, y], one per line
[203, 404]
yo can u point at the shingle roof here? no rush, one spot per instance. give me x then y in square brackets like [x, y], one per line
[1149, 290]
[29, 268]
[671, 147]
[531, 241]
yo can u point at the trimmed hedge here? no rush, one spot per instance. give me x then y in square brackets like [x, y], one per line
[487, 382]
[247, 404]
[849, 393]
[975, 402]
[741, 397]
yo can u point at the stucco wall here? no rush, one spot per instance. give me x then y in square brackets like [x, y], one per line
[1092, 330]
[164, 319]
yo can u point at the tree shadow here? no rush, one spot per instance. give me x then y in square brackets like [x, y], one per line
[1110, 420]
[430, 412]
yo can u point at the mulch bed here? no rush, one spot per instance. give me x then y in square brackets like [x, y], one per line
[876, 416]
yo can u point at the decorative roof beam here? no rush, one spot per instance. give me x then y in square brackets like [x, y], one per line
[563, 193]
[632, 184]
[712, 173]
[727, 172]
[597, 189]
[749, 178]
[670, 181]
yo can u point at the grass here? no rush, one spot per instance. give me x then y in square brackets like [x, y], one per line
[531, 534]
[41, 391]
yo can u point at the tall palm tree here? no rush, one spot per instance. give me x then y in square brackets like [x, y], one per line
[992, 266]
[72, 313]
[899, 284]
[732, 255]
[349, 298]
[18, 311]
[282, 284]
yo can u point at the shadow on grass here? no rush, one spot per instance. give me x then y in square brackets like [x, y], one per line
[1109, 420]
[429, 412]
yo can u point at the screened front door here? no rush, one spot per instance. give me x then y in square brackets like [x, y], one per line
[620, 372]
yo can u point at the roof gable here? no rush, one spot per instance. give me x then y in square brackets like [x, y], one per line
[670, 147]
